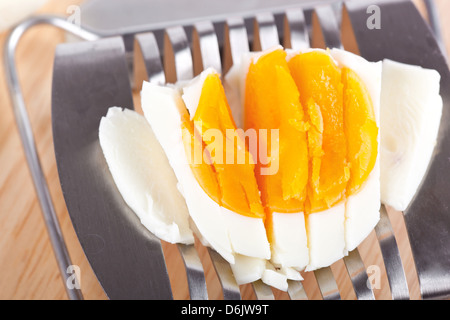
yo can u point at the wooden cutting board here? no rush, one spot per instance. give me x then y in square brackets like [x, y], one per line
[27, 263]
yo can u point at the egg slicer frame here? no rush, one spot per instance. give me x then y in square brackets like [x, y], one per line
[99, 72]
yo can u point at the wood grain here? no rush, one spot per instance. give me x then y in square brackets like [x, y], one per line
[28, 269]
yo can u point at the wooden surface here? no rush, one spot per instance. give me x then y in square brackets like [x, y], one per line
[28, 268]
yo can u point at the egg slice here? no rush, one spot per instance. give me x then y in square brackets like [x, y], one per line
[410, 118]
[324, 200]
[143, 176]
[272, 106]
[363, 207]
[223, 200]
[163, 109]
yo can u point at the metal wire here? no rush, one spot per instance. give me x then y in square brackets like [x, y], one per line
[26, 135]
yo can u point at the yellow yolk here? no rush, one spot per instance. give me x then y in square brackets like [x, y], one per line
[318, 79]
[316, 133]
[360, 129]
[235, 181]
[199, 160]
[272, 102]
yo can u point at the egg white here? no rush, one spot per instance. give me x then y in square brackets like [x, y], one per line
[322, 238]
[410, 119]
[227, 232]
[160, 107]
[289, 248]
[363, 208]
[407, 108]
[142, 174]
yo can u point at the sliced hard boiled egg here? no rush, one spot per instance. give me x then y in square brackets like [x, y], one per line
[273, 111]
[318, 80]
[225, 204]
[143, 175]
[362, 207]
[165, 111]
[324, 200]
[410, 118]
[281, 166]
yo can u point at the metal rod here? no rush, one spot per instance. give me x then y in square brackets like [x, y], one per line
[391, 256]
[26, 135]
[435, 24]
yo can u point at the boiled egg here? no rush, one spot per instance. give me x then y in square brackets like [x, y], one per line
[143, 176]
[410, 118]
[229, 222]
[293, 203]
[325, 199]
[198, 134]
[281, 164]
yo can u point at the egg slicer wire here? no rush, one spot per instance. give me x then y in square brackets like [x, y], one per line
[98, 72]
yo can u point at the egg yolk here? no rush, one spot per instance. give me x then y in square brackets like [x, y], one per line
[199, 160]
[316, 132]
[272, 103]
[222, 146]
[360, 129]
[319, 82]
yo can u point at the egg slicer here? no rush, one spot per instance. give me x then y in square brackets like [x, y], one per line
[102, 69]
